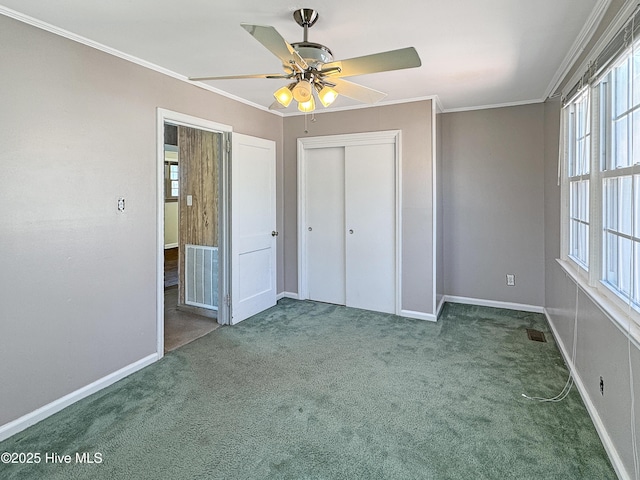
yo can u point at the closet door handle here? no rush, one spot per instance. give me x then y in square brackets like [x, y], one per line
[351, 231]
[274, 234]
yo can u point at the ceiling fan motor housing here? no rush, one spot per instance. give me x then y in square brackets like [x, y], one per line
[313, 53]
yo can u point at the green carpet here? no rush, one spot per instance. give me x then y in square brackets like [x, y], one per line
[314, 391]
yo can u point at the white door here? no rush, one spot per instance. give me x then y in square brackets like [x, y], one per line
[253, 226]
[325, 225]
[350, 227]
[370, 227]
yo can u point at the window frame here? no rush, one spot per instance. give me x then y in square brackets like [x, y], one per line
[171, 159]
[584, 166]
[168, 181]
[624, 310]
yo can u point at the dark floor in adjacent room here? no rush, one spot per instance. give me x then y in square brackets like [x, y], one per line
[317, 391]
[171, 256]
[181, 326]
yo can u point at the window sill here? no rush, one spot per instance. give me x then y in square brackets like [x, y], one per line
[627, 324]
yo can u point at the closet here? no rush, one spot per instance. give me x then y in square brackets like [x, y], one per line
[350, 225]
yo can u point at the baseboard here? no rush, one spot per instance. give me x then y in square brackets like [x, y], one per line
[41, 413]
[493, 303]
[291, 295]
[614, 457]
[418, 315]
[170, 245]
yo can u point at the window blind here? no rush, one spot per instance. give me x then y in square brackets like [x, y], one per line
[611, 52]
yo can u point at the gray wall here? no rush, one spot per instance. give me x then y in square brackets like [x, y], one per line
[78, 280]
[493, 205]
[602, 349]
[414, 119]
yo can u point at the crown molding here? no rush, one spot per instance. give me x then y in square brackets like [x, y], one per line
[34, 22]
[581, 42]
[497, 105]
[614, 27]
[435, 98]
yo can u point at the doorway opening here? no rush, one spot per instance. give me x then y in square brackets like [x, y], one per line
[193, 225]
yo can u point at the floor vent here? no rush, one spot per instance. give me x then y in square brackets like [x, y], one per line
[535, 335]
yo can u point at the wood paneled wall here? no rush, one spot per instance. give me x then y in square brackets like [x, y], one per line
[199, 157]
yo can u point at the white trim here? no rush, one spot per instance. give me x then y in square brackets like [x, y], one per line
[610, 448]
[583, 38]
[291, 295]
[418, 315]
[439, 106]
[496, 105]
[190, 121]
[167, 246]
[124, 56]
[434, 210]
[350, 139]
[11, 428]
[614, 27]
[435, 98]
[494, 303]
[169, 116]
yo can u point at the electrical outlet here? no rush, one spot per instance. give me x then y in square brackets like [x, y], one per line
[511, 280]
[121, 204]
[601, 386]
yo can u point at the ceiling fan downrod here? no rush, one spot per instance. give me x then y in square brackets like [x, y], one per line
[306, 18]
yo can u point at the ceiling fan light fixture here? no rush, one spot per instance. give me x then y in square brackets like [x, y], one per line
[284, 95]
[327, 95]
[302, 92]
[308, 106]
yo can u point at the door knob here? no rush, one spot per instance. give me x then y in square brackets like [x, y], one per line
[310, 228]
[351, 231]
[274, 234]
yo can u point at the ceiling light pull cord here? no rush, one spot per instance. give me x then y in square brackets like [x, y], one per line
[567, 386]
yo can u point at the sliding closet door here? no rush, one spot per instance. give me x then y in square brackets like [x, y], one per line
[349, 228]
[370, 227]
[325, 232]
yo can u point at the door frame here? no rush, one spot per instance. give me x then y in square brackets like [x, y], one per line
[176, 118]
[345, 140]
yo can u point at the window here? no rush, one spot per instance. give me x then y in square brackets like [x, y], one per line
[578, 168]
[171, 181]
[620, 178]
[601, 181]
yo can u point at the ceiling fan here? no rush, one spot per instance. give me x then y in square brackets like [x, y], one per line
[310, 66]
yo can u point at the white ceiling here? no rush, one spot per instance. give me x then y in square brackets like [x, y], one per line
[474, 53]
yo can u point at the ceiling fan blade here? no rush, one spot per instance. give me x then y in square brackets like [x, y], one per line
[235, 77]
[357, 92]
[377, 62]
[273, 41]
